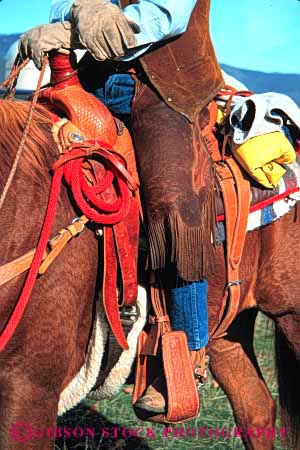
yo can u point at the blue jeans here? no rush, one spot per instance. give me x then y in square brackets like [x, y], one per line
[117, 93]
[188, 312]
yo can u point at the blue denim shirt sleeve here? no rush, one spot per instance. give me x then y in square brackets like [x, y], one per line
[60, 10]
[157, 19]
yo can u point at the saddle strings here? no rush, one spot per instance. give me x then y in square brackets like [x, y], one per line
[13, 75]
[9, 84]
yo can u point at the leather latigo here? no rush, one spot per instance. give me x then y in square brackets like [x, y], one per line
[185, 70]
[67, 98]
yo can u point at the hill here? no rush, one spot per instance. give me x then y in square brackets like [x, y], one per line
[288, 84]
[6, 40]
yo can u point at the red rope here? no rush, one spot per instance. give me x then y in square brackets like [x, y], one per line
[86, 197]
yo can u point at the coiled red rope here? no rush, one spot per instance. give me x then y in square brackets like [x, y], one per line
[69, 166]
[88, 197]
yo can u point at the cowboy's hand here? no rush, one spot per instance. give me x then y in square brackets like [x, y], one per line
[103, 28]
[40, 40]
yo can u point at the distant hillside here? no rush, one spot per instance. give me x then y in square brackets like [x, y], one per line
[5, 42]
[288, 84]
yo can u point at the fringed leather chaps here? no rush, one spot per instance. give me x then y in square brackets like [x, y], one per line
[178, 186]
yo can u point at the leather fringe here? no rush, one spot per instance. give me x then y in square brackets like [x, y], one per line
[192, 249]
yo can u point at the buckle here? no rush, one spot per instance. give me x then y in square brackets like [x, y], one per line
[76, 220]
[129, 313]
[153, 319]
[232, 283]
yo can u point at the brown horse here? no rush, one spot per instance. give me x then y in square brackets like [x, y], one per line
[49, 344]
[269, 284]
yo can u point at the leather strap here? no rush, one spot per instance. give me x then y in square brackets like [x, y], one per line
[120, 245]
[236, 197]
[110, 298]
[160, 323]
[242, 187]
[96, 147]
[60, 241]
[20, 265]
[140, 381]
[11, 270]
[126, 234]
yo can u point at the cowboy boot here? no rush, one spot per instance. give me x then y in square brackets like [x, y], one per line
[154, 398]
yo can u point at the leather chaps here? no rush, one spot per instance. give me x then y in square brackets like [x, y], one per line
[178, 186]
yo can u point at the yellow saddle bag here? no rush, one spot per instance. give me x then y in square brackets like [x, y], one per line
[262, 157]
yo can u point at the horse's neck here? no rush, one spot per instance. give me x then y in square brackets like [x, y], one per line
[23, 212]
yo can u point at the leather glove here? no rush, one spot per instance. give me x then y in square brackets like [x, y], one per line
[103, 28]
[44, 38]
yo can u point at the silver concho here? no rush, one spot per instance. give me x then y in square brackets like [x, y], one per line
[76, 137]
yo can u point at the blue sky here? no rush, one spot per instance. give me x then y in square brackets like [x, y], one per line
[254, 34]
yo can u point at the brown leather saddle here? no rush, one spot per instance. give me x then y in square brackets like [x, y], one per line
[88, 118]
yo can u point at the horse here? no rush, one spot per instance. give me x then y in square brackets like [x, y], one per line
[48, 346]
[269, 286]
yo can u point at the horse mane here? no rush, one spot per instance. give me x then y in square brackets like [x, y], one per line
[39, 144]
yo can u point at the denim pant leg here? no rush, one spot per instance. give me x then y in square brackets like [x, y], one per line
[117, 94]
[189, 313]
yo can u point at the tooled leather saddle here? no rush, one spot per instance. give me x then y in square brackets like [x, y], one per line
[88, 118]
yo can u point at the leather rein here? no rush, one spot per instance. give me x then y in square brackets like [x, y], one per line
[14, 268]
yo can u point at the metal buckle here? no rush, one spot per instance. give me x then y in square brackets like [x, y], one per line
[78, 219]
[232, 283]
[130, 313]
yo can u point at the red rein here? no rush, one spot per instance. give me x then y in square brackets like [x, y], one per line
[69, 166]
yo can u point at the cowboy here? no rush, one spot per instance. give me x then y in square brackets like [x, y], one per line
[168, 47]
